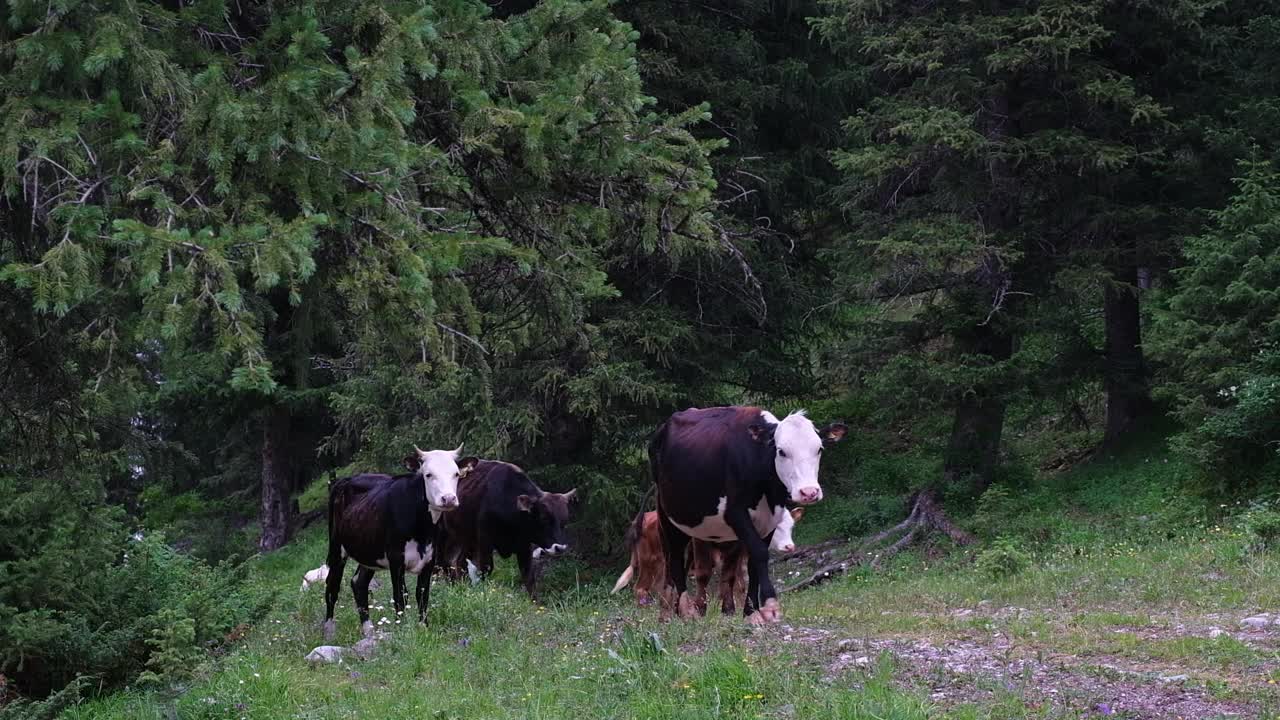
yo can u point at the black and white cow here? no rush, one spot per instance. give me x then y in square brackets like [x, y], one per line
[503, 511]
[727, 473]
[392, 523]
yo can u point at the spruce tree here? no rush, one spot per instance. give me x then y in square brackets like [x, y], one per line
[993, 174]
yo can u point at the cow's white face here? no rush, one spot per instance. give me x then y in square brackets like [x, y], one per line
[782, 540]
[797, 451]
[440, 472]
[796, 454]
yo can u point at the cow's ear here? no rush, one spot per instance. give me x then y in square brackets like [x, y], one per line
[761, 432]
[797, 513]
[466, 465]
[525, 503]
[834, 432]
[571, 496]
[412, 462]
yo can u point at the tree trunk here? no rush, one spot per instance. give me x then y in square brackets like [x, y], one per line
[1125, 379]
[274, 518]
[973, 450]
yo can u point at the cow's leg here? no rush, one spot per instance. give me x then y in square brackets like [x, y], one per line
[703, 565]
[732, 576]
[332, 589]
[762, 601]
[674, 544]
[360, 589]
[528, 573]
[399, 594]
[423, 591]
[483, 559]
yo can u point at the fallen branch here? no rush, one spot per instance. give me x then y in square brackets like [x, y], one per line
[926, 516]
[302, 521]
[811, 550]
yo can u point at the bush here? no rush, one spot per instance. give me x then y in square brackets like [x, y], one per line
[1261, 527]
[78, 596]
[1003, 559]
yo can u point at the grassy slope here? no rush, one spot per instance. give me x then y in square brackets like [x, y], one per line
[1129, 592]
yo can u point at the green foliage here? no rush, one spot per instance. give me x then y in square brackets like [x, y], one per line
[173, 649]
[1218, 333]
[79, 597]
[1261, 527]
[1002, 559]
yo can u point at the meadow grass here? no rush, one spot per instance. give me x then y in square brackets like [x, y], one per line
[1119, 595]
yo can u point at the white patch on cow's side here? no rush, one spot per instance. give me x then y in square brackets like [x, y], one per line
[473, 573]
[765, 517]
[343, 549]
[554, 549]
[414, 561]
[797, 451]
[537, 553]
[712, 527]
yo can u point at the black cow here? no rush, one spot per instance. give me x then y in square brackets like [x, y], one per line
[503, 511]
[392, 523]
[727, 473]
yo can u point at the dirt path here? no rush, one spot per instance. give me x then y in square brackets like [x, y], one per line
[977, 660]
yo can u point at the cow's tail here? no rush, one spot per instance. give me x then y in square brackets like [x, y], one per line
[637, 525]
[337, 491]
[625, 578]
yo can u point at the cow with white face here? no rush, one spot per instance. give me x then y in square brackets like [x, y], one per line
[440, 473]
[728, 473]
[391, 523]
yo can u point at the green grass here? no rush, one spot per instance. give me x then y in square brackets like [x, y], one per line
[1106, 588]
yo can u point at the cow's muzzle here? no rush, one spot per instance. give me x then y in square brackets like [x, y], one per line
[554, 549]
[447, 503]
[807, 495]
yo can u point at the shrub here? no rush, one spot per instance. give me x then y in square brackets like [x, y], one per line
[1261, 527]
[78, 596]
[1003, 559]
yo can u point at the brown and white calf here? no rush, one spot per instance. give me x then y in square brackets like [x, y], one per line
[648, 564]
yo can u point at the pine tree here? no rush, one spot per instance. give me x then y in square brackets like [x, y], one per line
[269, 204]
[994, 174]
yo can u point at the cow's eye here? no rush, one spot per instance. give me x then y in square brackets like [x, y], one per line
[782, 453]
[427, 475]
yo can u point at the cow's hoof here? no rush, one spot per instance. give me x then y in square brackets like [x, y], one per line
[330, 630]
[688, 606]
[771, 612]
[366, 629]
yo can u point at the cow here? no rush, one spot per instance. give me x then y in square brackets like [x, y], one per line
[503, 511]
[649, 566]
[392, 523]
[727, 473]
